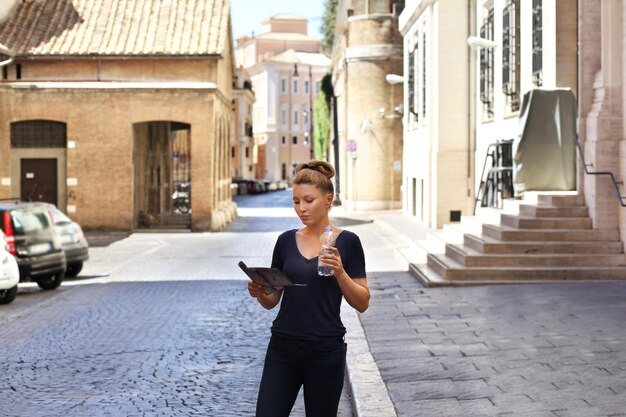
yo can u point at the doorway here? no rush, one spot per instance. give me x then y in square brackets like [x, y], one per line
[38, 180]
[162, 159]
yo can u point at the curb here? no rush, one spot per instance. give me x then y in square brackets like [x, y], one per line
[369, 392]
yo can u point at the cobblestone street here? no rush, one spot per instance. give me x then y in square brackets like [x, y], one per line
[157, 325]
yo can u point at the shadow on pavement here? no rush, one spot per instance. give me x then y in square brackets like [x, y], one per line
[103, 239]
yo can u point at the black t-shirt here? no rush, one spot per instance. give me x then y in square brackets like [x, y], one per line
[312, 312]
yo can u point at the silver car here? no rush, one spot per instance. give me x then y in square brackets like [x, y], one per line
[73, 240]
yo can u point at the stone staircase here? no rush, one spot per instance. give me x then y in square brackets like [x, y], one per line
[552, 240]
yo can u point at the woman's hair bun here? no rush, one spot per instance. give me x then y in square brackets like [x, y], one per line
[322, 167]
[309, 173]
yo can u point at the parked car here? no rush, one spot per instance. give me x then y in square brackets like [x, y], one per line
[73, 240]
[9, 273]
[33, 241]
[249, 186]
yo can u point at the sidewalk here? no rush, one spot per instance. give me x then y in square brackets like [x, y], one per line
[509, 350]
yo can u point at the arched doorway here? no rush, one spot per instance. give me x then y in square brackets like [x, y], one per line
[162, 160]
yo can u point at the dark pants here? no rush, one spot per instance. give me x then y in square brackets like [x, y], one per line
[292, 363]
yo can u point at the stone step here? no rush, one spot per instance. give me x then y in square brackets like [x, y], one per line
[553, 211]
[559, 200]
[507, 233]
[450, 270]
[486, 244]
[453, 232]
[435, 242]
[428, 277]
[470, 257]
[527, 222]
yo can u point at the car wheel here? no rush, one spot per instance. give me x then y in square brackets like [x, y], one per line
[51, 282]
[73, 270]
[8, 295]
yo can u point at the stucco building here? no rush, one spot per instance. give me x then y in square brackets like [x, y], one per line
[286, 67]
[117, 111]
[542, 78]
[244, 149]
[367, 47]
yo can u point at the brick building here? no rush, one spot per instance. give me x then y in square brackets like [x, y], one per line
[113, 109]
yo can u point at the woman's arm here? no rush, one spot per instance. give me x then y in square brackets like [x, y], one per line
[268, 301]
[354, 290]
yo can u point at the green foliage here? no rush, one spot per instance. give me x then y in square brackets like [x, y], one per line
[321, 122]
[328, 25]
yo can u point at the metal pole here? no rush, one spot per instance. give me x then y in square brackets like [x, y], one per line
[311, 138]
[336, 151]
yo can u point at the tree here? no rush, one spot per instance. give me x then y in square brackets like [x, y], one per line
[328, 25]
[321, 132]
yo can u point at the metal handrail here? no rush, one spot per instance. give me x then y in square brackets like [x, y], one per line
[490, 153]
[615, 182]
[482, 188]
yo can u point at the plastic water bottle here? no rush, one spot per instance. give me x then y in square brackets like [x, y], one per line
[327, 241]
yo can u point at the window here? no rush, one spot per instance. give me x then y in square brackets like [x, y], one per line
[247, 152]
[510, 54]
[38, 134]
[306, 87]
[411, 85]
[5, 72]
[486, 67]
[284, 140]
[295, 117]
[295, 86]
[283, 85]
[537, 43]
[18, 71]
[305, 118]
[284, 171]
[294, 140]
[232, 152]
[317, 87]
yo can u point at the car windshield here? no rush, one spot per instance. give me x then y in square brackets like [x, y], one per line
[28, 221]
[59, 217]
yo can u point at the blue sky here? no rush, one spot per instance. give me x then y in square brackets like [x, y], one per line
[247, 15]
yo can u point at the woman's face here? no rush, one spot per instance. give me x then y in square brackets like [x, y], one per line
[310, 203]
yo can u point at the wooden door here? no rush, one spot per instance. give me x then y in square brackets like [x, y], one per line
[38, 180]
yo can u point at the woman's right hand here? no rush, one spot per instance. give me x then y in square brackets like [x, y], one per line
[255, 290]
[268, 301]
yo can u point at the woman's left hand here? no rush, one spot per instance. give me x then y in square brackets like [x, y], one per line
[333, 261]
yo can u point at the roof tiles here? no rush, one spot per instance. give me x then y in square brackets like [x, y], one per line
[117, 27]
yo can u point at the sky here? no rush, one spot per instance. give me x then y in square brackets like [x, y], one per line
[247, 15]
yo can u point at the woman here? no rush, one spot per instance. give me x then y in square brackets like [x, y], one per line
[307, 345]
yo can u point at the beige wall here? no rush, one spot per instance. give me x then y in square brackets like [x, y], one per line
[601, 108]
[138, 70]
[101, 162]
[372, 180]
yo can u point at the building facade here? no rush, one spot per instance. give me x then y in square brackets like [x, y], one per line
[244, 149]
[367, 47]
[467, 69]
[602, 110]
[438, 153]
[286, 67]
[113, 111]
